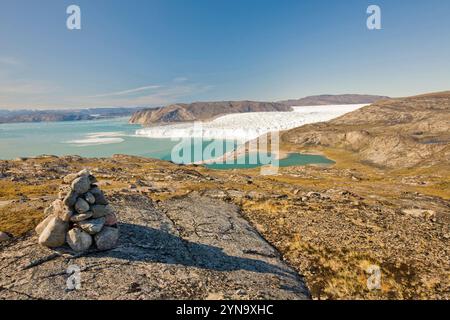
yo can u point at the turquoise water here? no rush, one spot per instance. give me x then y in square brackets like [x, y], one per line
[103, 138]
[293, 159]
[66, 138]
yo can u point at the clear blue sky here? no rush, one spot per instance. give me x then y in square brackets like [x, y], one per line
[153, 52]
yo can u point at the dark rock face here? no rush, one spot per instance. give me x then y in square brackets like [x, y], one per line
[177, 251]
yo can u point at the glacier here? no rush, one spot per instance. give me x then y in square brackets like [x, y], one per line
[248, 126]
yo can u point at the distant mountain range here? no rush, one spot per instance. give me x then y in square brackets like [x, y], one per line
[12, 116]
[179, 112]
[207, 110]
[333, 99]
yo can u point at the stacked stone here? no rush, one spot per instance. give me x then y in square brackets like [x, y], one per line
[80, 217]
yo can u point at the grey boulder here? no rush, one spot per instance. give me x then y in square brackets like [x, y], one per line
[81, 185]
[89, 197]
[71, 198]
[81, 216]
[92, 226]
[54, 234]
[81, 206]
[101, 210]
[78, 240]
[99, 196]
[59, 209]
[41, 226]
[107, 238]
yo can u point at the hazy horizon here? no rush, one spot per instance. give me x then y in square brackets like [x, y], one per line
[154, 53]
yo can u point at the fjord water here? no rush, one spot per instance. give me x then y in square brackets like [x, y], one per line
[94, 138]
[101, 138]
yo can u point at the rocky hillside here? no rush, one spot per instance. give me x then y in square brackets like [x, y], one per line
[333, 99]
[202, 111]
[190, 232]
[393, 133]
[167, 249]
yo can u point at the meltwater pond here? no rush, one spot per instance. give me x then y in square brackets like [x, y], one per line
[103, 138]
[292, 159]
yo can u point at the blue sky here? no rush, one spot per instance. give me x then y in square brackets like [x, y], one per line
[155, 52]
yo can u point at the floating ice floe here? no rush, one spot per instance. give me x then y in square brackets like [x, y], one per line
[98, 139]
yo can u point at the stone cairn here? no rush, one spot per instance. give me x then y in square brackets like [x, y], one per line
[80, 217]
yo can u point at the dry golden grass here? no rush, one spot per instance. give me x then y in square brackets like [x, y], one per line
[10, 190]
[20, 219]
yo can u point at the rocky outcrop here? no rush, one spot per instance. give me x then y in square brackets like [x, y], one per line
[328, 99]
[393, 133]
[4, 236]
[77, 217]
[329, 223]
[176, 250]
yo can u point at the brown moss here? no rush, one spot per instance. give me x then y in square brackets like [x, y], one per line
[19, 220]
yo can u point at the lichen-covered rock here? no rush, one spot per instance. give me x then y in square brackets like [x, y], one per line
[180, 265]
[101, 210]
[99, 196]
[84, 172]
[81, 185]
[71, 198]
[81, 216]
[92, 179]
[89, 197]
[65, 214]
[110, 219]
[59, 209]
[92, 226]
[41, 226]
[54, 234]
[63, 191]
[107, 238]
[81, 206]
[4, 236]
[78, 240]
